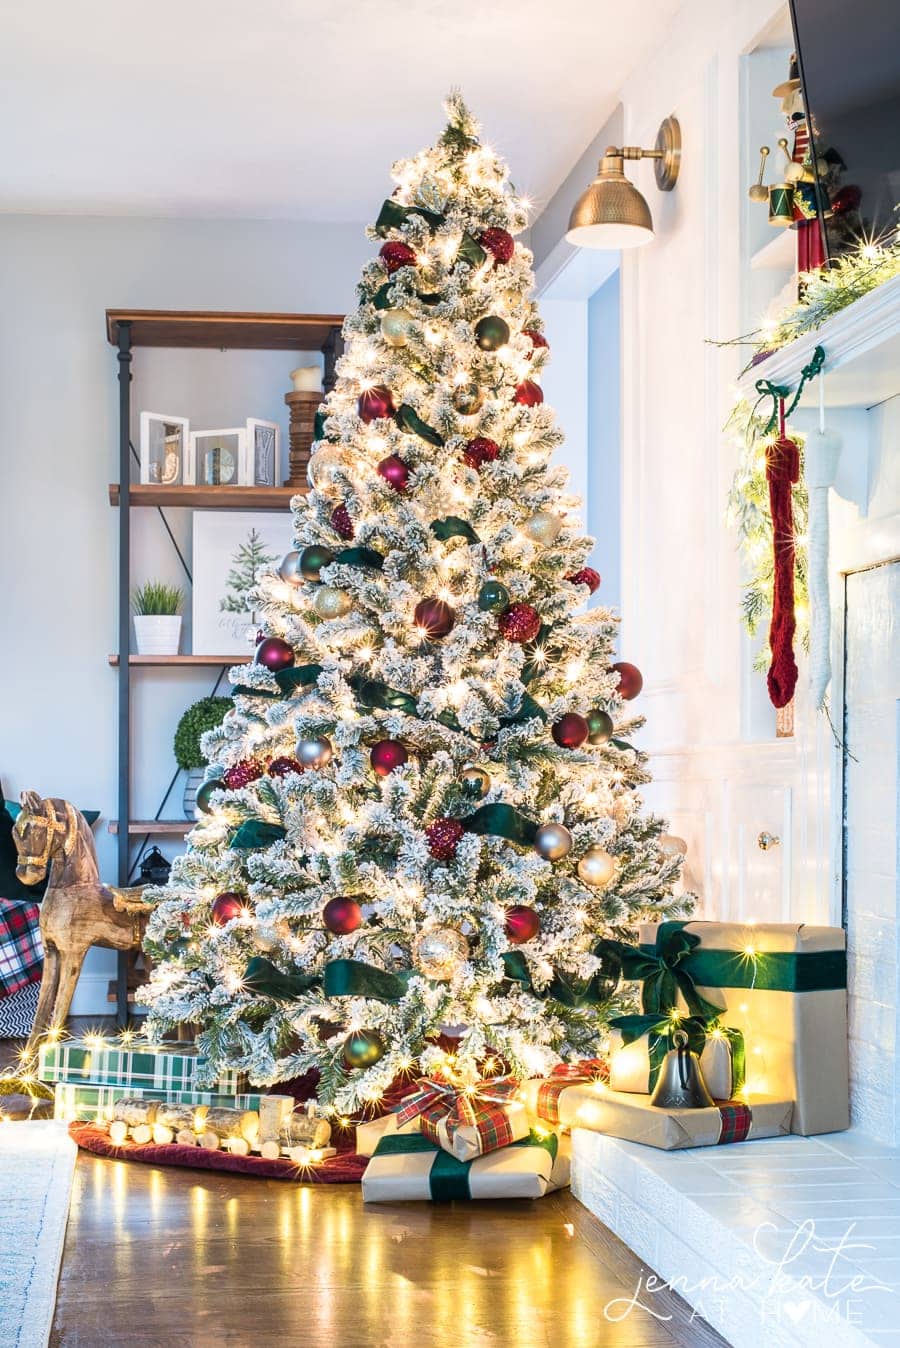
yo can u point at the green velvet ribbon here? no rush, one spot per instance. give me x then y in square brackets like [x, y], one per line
[770, 971]
[453, 527]
[298, 676]
[254, 833]
[448, 1178]
[661, 971]
[319, 424]
[381, 299]
[354, 978]
[470, 251]
[360, 557]
[262, 976]
[373, 693]
[408, 419]
[563, 988]
[780, 392]
[501, 821]
[659, 1034]
[392, 215]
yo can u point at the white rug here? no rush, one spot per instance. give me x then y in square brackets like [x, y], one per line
[37, 1164]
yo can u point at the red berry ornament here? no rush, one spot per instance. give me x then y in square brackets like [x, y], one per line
[586, 576]
[435, 617]
[387, 755]
[519, 623]
[395, 255]
[570, 730]
[499, 243]
[480, 450]
[375, 403]
[226, 907]
[537, 340]
[274, 654]
[341, 522]
[341, 916]
[443, 838]
[284, 766]
[631, 680]
[522, 924]
[395, 473]
[242, 774]
[529, 394]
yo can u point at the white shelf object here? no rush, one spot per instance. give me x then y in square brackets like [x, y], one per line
[862, 353]
[778, 254]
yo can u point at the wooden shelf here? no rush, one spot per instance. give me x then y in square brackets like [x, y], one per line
[176, 661]
[778, 254]
[208, 498]
[175, 828]
[246, 332]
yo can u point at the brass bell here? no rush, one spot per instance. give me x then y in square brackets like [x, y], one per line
[681, 1084]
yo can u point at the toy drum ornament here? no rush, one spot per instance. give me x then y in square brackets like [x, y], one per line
[781, 205]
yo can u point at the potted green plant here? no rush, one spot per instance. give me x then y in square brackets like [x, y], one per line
[204, 715]
[157, 622]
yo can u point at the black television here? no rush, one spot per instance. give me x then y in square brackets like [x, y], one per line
[848, 53]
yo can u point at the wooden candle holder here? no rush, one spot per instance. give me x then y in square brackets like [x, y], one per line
[303, 407]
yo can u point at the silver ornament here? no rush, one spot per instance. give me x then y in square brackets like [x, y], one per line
[597, 868]
[553, 842]
[672, 846]
[289, 568]
[323, 469]
[331, 602]
[543, 527]
[314, 753]
[439, 952]
[395, 326]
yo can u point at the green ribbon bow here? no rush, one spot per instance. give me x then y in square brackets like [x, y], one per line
[408, 419]
[360, 557]
[502, 821]
[392, 215]
[661, 972]
[766, 389]
[659, 1034]
[257, 833]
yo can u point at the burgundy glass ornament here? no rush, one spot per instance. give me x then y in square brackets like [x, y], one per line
[226, 907]
[435, 617]
[395, 254]
[341, 916]
[529, 394]
[274, 654]
[537, 339]
[480, 450]
[631, 680]
[519, 623]
[341, 522]
[586, 576]
[395, 473]
[499, 243]
[242, 774]
[387, 755]
[443, 838]
[521, 924]
[570, 730]
[374, 403]
[284, 766]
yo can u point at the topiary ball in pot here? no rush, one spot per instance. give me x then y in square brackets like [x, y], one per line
[207, 714]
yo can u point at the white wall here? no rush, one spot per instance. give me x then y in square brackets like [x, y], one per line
[59, 451]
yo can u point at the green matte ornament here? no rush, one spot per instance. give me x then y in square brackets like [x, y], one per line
[491, 333]
[493, 597]
[204, 792]
[364, 1048]
[600, 726]
[312, 559]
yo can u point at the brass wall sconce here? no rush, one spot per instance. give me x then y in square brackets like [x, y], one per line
[611, 212]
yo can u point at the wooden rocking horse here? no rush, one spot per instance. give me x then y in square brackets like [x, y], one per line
[77, 910]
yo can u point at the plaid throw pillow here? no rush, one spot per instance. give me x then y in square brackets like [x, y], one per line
[21, 951]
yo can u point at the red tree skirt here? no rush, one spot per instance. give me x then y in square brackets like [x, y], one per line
[345, 1168]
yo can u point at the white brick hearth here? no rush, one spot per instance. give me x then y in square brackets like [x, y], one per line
[792, 1242]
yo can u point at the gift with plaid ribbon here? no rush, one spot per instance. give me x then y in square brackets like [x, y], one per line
[21, 949]
[544, 1096]
[469, 1121]
[632, 1117]
[106, 1062]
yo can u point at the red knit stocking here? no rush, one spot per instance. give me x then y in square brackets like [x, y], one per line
[782, 470]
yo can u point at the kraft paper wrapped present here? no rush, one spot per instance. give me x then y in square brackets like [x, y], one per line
[162, 1067]
[638, 1045]
[544, 1097]
[633, 1118]
[783, 985]
[370, 1133]
[467, 1123]
[90, 1103]
[410, 1169]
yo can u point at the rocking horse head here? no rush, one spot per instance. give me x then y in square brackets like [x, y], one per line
[52, 835]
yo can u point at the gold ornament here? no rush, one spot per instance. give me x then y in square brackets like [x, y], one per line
[331, 602]
[324, 466]
[439, 952]
[553, 842]
[395, 326]
[672, 846]
[467, 398]
[623, 809]
[314, 753]
[474, 781]
[597, 868]
[542, 528]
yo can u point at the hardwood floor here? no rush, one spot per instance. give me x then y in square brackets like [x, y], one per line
[165, 1258]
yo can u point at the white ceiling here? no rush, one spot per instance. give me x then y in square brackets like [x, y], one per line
[289, 109]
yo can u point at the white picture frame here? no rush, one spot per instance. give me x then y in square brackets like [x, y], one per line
[166, 450]
[231, 441]
[262, 453]
[231, 550]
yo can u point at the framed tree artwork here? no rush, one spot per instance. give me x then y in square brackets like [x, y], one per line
[232, 550]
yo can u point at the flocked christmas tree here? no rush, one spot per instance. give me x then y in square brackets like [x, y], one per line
[424, 812]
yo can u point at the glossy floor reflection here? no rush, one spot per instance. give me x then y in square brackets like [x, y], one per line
[174, 1258]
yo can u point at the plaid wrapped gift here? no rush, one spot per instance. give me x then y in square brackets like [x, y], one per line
[466, 1123]
[21, 948]
[409, 1167]
[544, 1096]
[633, 1118]
[90, 1103]
[161, 1067]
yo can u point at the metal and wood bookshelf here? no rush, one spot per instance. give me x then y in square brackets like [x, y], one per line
[126, 330]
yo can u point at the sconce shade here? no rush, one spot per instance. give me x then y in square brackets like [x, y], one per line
[611, 212]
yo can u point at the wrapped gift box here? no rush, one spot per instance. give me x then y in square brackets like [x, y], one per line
[370, 1133]
[544, 1097]
[161, 1067]
[634, 1062]
[91, 1103]
[784, 986]
[633, 1118]
[465, 1141]
[408, 1168]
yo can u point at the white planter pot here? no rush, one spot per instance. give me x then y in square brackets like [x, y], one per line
[157, 633]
